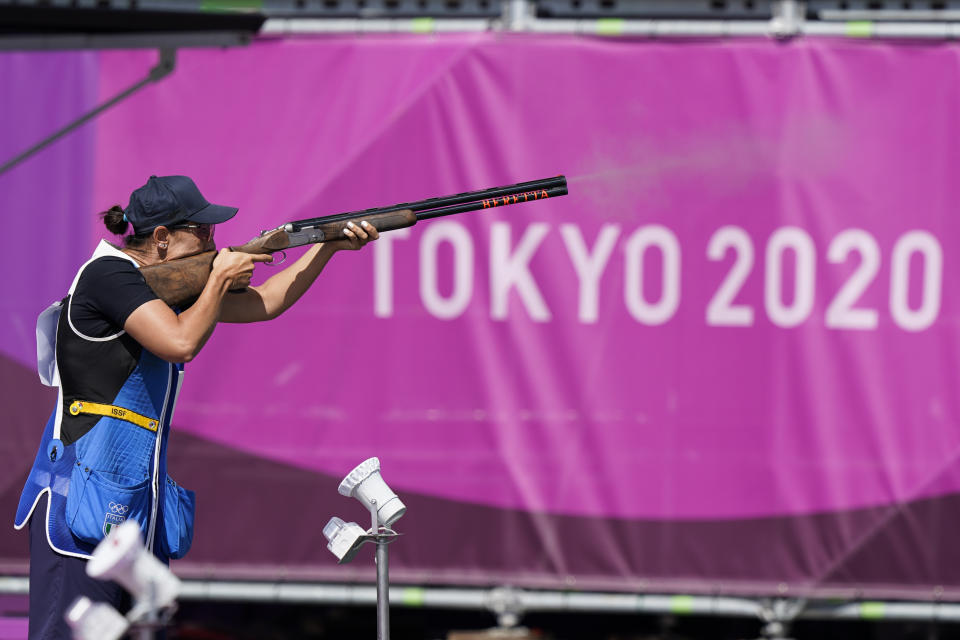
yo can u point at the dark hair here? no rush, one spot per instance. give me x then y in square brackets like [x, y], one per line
[116, 224]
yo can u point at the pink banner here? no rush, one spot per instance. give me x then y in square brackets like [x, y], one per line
[740, 310]
[739, 328]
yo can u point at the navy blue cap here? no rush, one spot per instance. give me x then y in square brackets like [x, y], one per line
[171, 200]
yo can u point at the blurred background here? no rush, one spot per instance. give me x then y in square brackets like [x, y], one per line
[711, 393]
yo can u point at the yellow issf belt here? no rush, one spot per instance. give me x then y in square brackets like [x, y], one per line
[111, 411]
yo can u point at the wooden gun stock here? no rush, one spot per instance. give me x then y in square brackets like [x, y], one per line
[180, 282]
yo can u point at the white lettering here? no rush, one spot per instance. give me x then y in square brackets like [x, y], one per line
[458, 238]
[799, 241]
[722, 312]
[637, 245]
[509, 271]
[589, 265]
[383, 272]
[929, 249]
[841, 313]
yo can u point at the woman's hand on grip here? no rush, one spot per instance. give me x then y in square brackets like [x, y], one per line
[237, 267]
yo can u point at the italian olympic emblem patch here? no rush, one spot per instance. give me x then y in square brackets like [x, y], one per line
[116, 515]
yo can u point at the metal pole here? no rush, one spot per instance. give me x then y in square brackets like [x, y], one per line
[150, 622]
[787, 20]
[516, 14]
[163, 68]
[383, 591]
[383, 582]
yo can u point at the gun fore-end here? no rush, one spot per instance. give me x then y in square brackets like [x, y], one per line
[387, 221]
[333, 230]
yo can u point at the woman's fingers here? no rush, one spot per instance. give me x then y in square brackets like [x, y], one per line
[371, 230]
[356, 230]
[360, 234]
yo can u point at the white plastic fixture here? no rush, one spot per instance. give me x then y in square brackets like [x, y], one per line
[95, 620]
[366, 485]
[344, 539]
[122, 557]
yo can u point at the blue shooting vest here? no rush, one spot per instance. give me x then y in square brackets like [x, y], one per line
[116, 470]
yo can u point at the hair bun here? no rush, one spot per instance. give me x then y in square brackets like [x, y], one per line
[114, 221]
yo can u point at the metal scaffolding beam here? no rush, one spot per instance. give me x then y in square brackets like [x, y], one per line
[521, 601]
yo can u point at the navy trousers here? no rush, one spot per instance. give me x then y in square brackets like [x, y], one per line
[57, 580]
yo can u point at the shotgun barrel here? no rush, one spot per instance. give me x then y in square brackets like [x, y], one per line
[449, 205]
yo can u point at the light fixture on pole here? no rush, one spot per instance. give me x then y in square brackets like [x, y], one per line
[344, 539]
[366, 485]
[122, 557]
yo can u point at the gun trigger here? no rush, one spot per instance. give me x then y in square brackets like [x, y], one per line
[277, 261]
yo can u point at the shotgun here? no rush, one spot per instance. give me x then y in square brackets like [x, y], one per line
[179, 282]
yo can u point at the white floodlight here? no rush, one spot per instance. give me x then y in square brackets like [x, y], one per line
[95, 620]
[344, 539]
[122, 557]
[366, 485]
